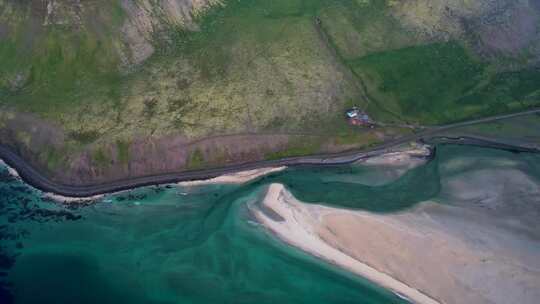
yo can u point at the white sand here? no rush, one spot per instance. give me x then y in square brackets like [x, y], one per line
[434, 253]
[409, 156]
[234, 178]
[299, 228]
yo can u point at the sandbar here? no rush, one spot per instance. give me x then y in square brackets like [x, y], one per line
[432, 253]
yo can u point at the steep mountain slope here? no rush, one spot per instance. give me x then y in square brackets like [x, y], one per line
[104, 89]
[491, 28]
[127, 27]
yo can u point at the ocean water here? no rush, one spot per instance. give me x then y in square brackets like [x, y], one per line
[173, 244]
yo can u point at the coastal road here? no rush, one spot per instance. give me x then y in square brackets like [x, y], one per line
[33, 177]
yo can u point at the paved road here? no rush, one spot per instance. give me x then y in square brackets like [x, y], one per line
[36, 179]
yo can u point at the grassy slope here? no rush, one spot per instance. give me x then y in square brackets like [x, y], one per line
[255, 65]
[422, 81]
[250, 52]
[440, 83]
[428, 83]
[61, 67]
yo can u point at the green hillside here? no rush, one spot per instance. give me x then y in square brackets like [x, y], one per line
[103, 72]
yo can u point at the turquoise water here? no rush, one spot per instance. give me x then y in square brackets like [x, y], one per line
[196, 245]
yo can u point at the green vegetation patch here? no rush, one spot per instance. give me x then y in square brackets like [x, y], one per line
[298, 147]
[356, 137]
[425, 82]
[52, 70]
[84, 136]
[122, 150]
[52, 158]
[358, 28]
[195, 160]
[508, 91]
[441, 83]
[100, 158]
[283, 66]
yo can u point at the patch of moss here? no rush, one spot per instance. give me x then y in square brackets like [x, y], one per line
[100, 158]
[52, 157]
[122, 150]
[298, 147]
[355, 137]
[195, 160]
[84, 136]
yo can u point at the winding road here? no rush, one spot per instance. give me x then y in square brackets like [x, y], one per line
[429, 135]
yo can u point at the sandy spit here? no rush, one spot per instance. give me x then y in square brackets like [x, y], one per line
[298, 226]
[234, 178]
[411, 156]
[478, 244]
